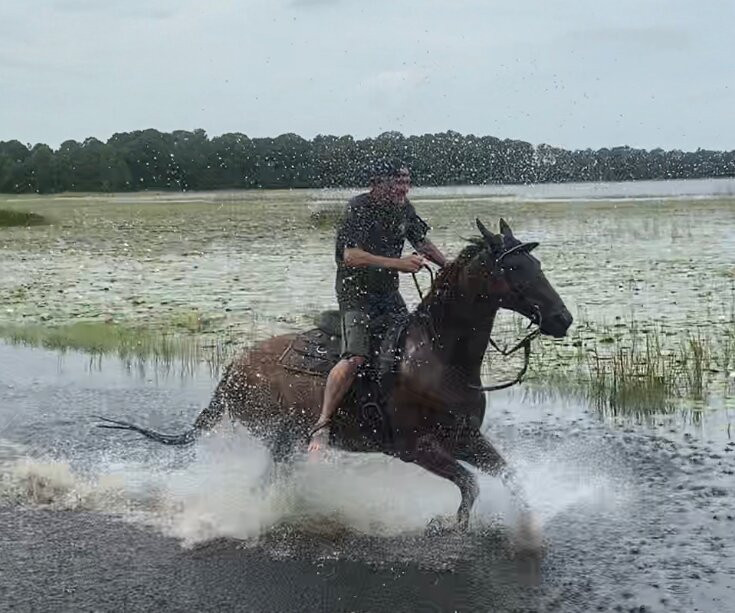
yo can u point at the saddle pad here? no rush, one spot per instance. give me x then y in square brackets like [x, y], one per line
[313, 352]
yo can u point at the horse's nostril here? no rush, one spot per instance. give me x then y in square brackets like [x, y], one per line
[560, 321]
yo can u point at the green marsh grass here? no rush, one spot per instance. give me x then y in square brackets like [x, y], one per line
[626, 369]
[9, 218]
[325, 219]
[146, 259]
[633, 368]
[161, 349]
[631, 377]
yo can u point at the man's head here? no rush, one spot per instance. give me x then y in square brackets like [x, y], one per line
[390, 181]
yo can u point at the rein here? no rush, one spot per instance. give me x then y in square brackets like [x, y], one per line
[525, 343]
[416, 281]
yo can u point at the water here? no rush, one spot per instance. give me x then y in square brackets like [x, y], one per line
[106, 521]
[251, 262]
[634, 514]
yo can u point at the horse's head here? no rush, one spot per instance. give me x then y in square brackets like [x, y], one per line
[517, 280]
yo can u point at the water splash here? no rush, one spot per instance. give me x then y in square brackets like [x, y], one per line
[229, 488]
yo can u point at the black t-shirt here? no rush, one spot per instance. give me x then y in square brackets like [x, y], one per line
[380, 229]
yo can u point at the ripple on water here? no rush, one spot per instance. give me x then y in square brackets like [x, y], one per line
[631, 517]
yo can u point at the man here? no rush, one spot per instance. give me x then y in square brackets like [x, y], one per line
[369, 257]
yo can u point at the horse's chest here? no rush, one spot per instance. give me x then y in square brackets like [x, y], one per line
[438, 397]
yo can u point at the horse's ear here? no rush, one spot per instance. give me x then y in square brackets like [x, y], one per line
[486, 234]
[505, 228]
[494, 241]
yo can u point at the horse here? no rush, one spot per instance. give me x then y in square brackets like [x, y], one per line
[436, 404]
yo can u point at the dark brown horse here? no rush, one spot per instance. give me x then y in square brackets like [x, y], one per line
[434, 408]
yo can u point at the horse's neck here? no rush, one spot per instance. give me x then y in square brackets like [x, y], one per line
[462, 329]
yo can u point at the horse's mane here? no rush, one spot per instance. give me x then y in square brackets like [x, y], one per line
[442, 292]
[448, 276]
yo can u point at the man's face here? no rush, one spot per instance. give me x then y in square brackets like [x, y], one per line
[398, 186]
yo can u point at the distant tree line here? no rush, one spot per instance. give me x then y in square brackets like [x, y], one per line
[183, 160]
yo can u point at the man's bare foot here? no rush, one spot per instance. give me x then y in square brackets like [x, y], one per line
[319, 440]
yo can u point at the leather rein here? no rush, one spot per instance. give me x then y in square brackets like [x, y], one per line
[524, 344]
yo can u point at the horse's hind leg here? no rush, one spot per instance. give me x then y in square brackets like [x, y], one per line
[430, 454]
[212, 414]
[281, 449]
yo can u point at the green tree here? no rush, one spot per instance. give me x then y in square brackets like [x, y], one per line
[40, 170]
[186, 160]
[232, 163]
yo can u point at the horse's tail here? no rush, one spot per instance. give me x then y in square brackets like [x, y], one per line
[186, 438]
[206, 420]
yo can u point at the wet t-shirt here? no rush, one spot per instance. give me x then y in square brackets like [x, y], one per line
[380, 228]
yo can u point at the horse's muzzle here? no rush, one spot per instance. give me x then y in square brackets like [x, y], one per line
[557, 323]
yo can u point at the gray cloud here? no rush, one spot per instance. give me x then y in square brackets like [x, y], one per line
[48, 67]
[569, 73]
[654, 38]
[151, 9]
[308, 3]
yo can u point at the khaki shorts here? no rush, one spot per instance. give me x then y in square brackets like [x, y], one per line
[361, 323]
[355, 333]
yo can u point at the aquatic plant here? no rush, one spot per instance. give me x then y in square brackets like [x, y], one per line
[9, 218]
[631, 377]
[637, 368]
[324, 218]
[184, 289]
[160, 349]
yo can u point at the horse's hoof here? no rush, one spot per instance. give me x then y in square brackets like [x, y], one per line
[528, 537]
[441, 525]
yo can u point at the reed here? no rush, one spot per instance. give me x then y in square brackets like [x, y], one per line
[10, 218]
[631, 367]
[639, 367]
[161, 349]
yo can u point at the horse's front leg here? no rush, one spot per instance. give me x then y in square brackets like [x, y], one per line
[479, 452]
[431, 455]
[476, 450]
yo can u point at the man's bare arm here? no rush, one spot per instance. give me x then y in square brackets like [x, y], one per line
[431, 252]
[359, 258]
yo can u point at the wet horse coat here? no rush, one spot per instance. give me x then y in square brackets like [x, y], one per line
[434, 407]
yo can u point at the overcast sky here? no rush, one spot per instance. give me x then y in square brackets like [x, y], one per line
[573, 73]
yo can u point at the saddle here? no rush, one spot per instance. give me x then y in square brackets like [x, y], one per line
[316, 351]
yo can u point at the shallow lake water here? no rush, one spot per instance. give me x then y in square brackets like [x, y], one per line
[97, 520]
[636, 514]
[243, 257]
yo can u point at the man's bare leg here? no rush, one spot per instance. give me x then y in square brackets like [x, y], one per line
[339, 381]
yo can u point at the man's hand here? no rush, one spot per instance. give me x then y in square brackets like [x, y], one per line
[431, 252]
[411, 263]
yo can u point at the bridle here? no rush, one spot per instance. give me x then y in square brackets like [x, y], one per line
[524, 344]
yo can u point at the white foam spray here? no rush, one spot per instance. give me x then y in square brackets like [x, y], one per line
[229, 488]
